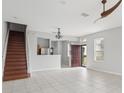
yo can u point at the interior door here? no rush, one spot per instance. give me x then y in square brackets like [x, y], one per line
[75, 55]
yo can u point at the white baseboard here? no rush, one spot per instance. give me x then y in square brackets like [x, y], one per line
[99, 70]
[45, 69]
[114, 73]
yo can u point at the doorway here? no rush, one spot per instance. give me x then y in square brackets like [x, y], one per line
[75, 55]
[84, 55]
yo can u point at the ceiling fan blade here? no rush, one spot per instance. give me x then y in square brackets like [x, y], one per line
[109, 11]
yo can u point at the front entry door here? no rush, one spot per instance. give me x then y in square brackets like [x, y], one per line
[75, 55]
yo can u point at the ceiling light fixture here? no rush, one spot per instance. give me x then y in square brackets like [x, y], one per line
[58, 36]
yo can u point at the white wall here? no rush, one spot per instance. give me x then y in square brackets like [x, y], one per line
[4, 31]
[4, 42]
[65, 59]
[41, 62]
[112, 51]
[45, 62]
[54, 44]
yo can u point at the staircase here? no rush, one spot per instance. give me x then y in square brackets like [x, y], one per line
[15, 65]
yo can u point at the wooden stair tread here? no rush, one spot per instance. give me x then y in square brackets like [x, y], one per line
[15, 72]
[16, 53]
[16, 50]
[16, 42]
[16, 56]
[15, 68]
[14, 77]
[16, 60]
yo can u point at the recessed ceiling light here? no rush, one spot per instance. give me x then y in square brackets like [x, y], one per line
[84, 14]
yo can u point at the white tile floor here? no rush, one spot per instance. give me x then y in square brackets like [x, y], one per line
[67, 80]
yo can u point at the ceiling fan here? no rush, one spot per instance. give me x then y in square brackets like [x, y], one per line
[105, 12]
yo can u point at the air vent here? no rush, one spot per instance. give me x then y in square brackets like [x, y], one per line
[84, 14]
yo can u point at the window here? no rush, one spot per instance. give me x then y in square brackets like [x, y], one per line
[99, 49]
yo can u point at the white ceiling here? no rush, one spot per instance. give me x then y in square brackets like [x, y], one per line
[47, 15]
